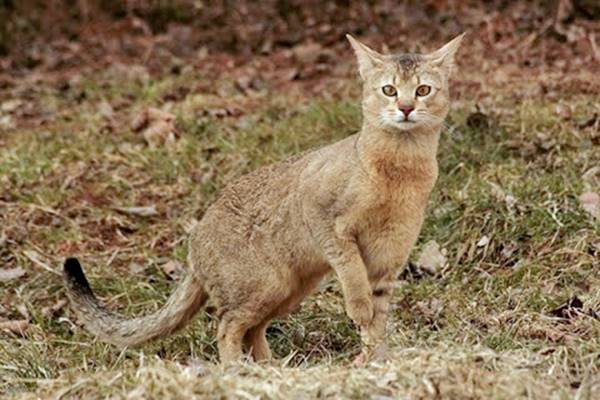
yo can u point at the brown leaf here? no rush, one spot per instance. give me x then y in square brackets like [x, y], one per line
[431, 259]
[53, 310]
[106, 110]
[157, 126]
[22, 309]
[590, 202]
[289, 74]
[18, 327]
[9, 106]
[173, 269]
[307, 53]
[10, 274]
[431, 308]
[7, 122]
[591, 174]
[136, 268]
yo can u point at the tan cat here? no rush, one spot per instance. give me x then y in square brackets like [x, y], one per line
[354, 207]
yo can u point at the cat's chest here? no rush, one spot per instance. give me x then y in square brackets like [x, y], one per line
[390, 199]
[391, 222]
[393, 216]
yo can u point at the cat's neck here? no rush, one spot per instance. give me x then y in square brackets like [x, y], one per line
[398, 146]
[399, 156]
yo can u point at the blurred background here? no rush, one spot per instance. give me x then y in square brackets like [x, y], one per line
[56, 35]
[277, 44]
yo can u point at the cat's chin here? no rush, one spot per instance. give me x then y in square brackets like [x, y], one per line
[403, 125]
[406, 125]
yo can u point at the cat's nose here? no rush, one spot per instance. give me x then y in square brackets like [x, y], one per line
[406, 109]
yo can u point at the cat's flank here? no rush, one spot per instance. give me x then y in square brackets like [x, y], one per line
[354, 208]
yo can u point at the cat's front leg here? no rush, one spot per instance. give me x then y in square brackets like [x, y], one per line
[373, 335]
[337, 241]
[349, 267]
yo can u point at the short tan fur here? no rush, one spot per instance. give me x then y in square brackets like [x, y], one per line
[354, 208]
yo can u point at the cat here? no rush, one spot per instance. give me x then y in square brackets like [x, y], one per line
[354, 208]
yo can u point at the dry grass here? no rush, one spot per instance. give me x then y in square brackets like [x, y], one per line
[482, 328]
[436, 372]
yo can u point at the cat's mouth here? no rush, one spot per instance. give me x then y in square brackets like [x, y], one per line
[401, 119]
[400, 122]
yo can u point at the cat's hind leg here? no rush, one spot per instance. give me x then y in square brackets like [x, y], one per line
[233, 327]
[243, 326]
[256, 342]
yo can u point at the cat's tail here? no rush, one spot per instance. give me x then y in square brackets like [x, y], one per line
[113, 328]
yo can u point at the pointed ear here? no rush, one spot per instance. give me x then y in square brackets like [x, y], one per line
[367, 58]
[444, 57]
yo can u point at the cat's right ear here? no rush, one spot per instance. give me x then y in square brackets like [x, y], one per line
[368, 59]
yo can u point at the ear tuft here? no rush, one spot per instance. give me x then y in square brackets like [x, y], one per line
[444, 56]
[367, 57]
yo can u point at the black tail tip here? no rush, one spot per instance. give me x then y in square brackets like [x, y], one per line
[74, 273]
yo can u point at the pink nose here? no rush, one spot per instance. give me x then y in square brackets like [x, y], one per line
[406, 110]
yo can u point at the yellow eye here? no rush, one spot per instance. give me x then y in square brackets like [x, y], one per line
[423, 90]
[389, 90]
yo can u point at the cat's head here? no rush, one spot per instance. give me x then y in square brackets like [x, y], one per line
[405, 91]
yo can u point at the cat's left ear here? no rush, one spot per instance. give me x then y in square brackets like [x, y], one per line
[368, 59]
[444, 57]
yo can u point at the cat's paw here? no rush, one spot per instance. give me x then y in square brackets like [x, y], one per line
[360, 310]
[380, 354]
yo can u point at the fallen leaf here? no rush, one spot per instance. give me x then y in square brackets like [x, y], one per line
[136, 268]
[10, 274]
[564, 9]
[431, 308]
[591, 174]
[173, 269]
[22, 309]
[106, 110]
[501, 195]
[590, 202]
[289, 74]
[432, 259]
[18, 327]
[483, 241]
[157, 126]
[307, 53]
[53, 310]
[9, 106]
[563, 111]
[148, 211]
[7, 122]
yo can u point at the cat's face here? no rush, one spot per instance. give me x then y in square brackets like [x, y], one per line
[406, 91]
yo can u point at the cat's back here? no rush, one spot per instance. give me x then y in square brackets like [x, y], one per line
[273, 188]
[281, 178]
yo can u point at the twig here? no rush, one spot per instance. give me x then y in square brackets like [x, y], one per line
[595, 49]
[33, 257]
